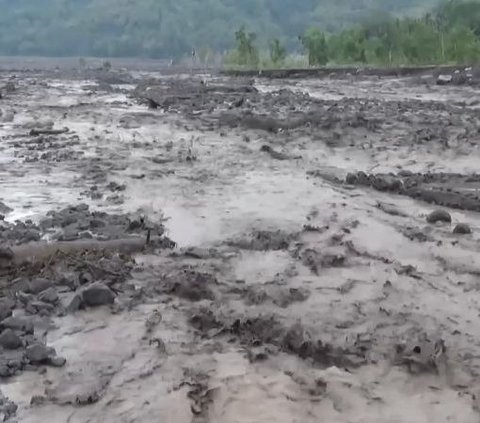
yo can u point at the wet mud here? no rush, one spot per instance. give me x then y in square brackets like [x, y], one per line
[225, 248]
[452, 190]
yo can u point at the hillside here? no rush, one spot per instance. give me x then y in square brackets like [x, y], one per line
[165, 28]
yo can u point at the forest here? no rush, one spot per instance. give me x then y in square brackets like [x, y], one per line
[326, 31]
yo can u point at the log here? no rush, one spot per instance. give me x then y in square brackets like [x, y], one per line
[36, 132]
[39, 251]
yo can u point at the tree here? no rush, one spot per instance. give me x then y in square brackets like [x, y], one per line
[278, 53]
[349, 46]
[316, 45]
[462, 46]
[247, 53]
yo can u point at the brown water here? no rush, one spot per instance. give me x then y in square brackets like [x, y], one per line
[229, 191]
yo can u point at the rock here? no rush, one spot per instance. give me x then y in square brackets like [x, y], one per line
[85, 278]
[6, 307]
[75, 304]
[439, 216]
[69, 234]
[8, 116]
[97, 223]
[386, 183]
[273, 153]
[351, 179]
[57, 361]
[10, 340]
[362, 179]
[5, 371]
[6, 253]
[38, 285]
[17, 324]
[37, 400]
[10, 87]
[40, 307]
[116, 199]
[48, 296]
[25, 298]
[4, 209]
[69, 280]
[462, 229]
[114, 187]
[31, 235]
[97, 294]
[444, 79]
[7, 408]
[39, 353]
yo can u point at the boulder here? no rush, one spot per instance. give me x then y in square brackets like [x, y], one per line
[97, 294]
[75, 304]
[10, 340]
[444, 79]
[48, 296]
[17, 324]
[462, 229]
[38, 285]
[57, 361]
[439, 216]
[6, 307]
[39, 353]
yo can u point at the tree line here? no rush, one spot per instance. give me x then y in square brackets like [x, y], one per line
[171, 28]
[449, 34]
[325, 31]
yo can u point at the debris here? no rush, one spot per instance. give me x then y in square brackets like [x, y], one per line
[36, 132]
[273, 153]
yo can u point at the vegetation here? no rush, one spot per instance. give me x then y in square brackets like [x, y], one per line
[377, 32]
[172, 28]
[449, 35]
[315, 43]
[278, 53]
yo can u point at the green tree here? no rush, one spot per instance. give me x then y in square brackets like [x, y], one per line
[462, 46]
[278, 53]
[247, 52]
[315, 43]
[456, 13]
[349, 46]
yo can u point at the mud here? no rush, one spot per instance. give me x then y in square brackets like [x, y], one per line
[217, 248]
[445, 189]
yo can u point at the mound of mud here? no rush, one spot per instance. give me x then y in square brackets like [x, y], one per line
[264, 241]
[189, 284]
[193, 94]
[444, 189]
[78, 222]
[253, 332]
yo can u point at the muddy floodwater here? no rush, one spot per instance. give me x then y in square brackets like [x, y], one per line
[197, 248]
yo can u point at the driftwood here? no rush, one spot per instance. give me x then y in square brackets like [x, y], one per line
[36, 132]
[41, 251]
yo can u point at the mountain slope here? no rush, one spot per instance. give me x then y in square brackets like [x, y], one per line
[164, 28]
